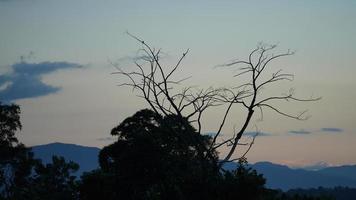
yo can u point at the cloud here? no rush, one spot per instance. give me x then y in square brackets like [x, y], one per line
[300, 132]
[25, 80]
[253, 133]
[305, 132]
[106, 139]
[334, 130]
[316, 166]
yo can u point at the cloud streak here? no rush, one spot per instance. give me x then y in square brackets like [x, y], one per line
[106, 139]
[25, 80]
[253, 133]
[331, 129]
[321, 130]
[300, 132]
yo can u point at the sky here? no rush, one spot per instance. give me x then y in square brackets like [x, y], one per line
[55, 62]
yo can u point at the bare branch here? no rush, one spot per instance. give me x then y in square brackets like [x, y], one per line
[255, 71]
[297, 117]
[156, 84]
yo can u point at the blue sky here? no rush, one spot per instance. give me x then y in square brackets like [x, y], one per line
[77, 100]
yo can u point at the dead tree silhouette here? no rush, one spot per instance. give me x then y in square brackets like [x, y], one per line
[155, 84]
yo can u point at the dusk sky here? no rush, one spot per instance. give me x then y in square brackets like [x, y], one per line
[55, 63]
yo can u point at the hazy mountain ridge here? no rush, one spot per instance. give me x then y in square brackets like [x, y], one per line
[285, 178]
[86, 157]
[278, 176]
[346, 171]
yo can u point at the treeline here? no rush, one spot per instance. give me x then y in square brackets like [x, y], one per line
[339, 193]
[154, 157]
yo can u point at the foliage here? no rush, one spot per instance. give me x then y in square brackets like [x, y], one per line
[15, 158]
[22, 176]
[241, 183]
[156, 156]
[51, 181]
[339, 193]
[279, 195]
[9, 124]
[16, 171]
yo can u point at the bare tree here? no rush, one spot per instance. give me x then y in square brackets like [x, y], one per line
[156, 84]
[254, 67]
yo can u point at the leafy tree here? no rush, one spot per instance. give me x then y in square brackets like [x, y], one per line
[9, 124]
[163, 157]
[98, 184]
[53, 181]
[242, 183]
[15, 159]
[157, 156]
[22, 176]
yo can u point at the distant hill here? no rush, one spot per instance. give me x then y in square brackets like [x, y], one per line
[86, 157]
[285, 178]
[346, 171]
[278, 176]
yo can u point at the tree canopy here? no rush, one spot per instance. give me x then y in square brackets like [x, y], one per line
[24, 177]
[9, 124]
[159, 156]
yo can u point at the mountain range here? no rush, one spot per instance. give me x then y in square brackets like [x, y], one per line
[278, 176]
[86, 157]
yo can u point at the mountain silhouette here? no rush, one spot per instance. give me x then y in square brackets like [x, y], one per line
[86, 157]
[278, 176]
[285, 178]
[282, 177]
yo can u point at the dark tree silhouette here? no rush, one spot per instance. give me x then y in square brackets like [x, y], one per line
[22, 176]
[9, 124]
[157, 156]
[156, 85]
[15, 158]
[164, 157]
[51, 181]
